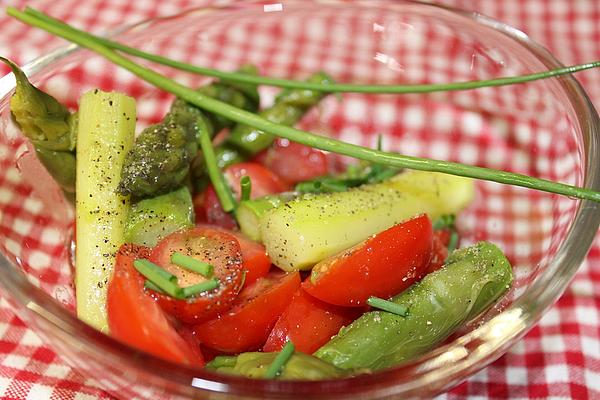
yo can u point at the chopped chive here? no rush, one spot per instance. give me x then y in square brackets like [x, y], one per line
[453, 243]
[280, 360]
[192, 264]
[385, 305]
[147, 265]
[149, 285]
[200, 287]
[380, 142]
[164, 280]
[246, 187]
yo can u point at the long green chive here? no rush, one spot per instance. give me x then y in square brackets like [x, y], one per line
[324, 87]
[192, 264]
[280, 360]
[307, 138]
[246, 188]
[149, 285]
[214, 172]
[200, 287]
[385, 305]
[159, 277]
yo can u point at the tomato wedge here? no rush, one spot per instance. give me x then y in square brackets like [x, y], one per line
[382, 266]
[264, 182]
[246, 326]
[212, 246]
[309, 323]
[136, 319]
[294, 162]
[255, 260]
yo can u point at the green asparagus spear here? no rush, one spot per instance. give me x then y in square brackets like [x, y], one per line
[254, 365]
[49, 125]
[161, 157]
[473, 279]
[290, 105]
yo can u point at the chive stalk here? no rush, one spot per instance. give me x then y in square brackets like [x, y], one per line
[246, 188]
[159, 277]
[198, 288]
[385, 305]
[192, 264]
[310, 139]
[324, 87]
[214, 172]
[149, 285]
[280, 360]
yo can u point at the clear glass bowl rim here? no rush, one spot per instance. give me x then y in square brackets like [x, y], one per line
[404, 380]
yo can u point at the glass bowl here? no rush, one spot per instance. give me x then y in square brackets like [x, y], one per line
[546, 128]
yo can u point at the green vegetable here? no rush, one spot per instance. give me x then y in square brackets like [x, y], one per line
[201, 287]
[311, 228]
[152, 219]
[320, 142]
[50, 127]
[249, 212]
[289, 107]
[355, 176]
[105, 134]
[245, 188]
[280, 360]
[222, 189]
[159, 277]
[389, 306]
[192, 264]
[161, 158]
[472, 280]
[255, 365]
[294, 84]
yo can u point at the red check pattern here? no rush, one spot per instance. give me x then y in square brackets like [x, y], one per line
[559, 358]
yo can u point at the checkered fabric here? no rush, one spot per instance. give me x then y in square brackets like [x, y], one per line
[559, 358]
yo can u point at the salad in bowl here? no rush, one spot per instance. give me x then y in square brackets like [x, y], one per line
[225, 240]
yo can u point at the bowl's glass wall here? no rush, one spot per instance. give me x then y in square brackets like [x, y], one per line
[531, 129]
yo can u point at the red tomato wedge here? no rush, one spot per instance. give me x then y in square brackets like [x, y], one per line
[309, 323]
[294, 162]
[136, 319]
[215, 247]
[264, 182]
[246, 326]
[382, 266]
[255, 260]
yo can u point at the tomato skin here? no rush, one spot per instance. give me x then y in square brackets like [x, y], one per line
[382, 266]
[439, 249]
[255, 260]
[294, 162]
[246, 326]
[264, 182]
[309, 323]
[136, 319]
[213, 246]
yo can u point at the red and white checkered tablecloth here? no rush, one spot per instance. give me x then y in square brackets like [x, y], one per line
[559, 358]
